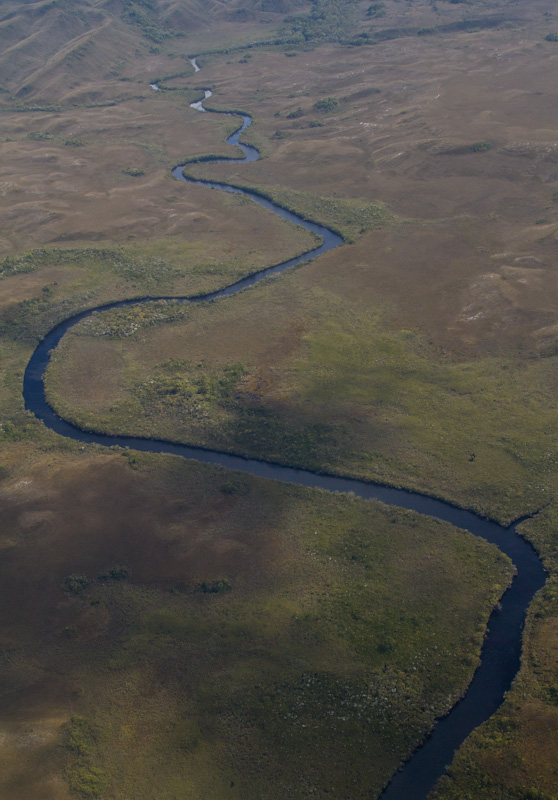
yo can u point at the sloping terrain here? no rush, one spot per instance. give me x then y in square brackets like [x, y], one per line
[86, 39]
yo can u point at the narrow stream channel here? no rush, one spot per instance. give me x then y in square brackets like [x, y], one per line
[501, 652]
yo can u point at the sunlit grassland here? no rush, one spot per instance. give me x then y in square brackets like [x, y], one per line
[326, 386]
[482, 429]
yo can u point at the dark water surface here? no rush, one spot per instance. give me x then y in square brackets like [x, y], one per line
[501, 651]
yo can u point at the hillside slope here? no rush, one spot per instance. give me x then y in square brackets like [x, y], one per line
[88, 37]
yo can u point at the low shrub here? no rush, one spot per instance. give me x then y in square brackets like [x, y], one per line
[221, 586]
[75, 584]
[481, 147]
[327, 104]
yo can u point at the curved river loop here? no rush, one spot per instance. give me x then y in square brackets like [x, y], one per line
[501, 651]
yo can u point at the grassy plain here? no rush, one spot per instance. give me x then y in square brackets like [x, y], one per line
[422, 354]
[296, 372]
[315, 673]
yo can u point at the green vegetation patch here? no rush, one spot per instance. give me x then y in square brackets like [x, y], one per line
[39, 136]
[327, 104]
[298, 112]
[328, 20]
[28, 262]
[75, 584]
[481, 147]
[86, 781]
[27, 319]
[80, 738]
[143, 15]
[84, 777]
[128, 319]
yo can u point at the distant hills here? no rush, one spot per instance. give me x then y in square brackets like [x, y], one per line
[49, 48]
[38, 36]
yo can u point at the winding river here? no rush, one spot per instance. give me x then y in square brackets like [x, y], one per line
[501, 652]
